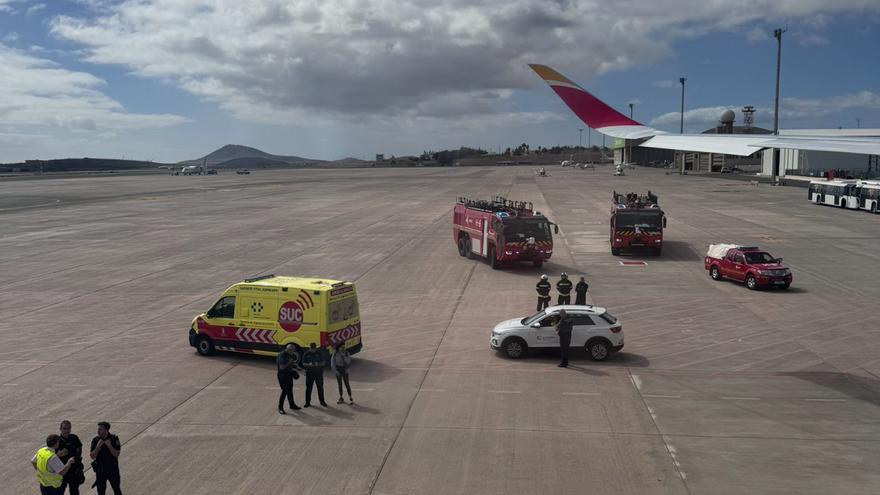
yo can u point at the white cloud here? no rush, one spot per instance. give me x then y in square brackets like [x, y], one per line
[40, 94]
[33, 9]
[664, 84]
[337, 60]
[789, 109]
[758, 35]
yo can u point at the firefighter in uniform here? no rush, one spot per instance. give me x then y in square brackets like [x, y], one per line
[564, 287]
[543, 288]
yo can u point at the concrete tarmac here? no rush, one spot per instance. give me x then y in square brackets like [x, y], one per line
[719, 390]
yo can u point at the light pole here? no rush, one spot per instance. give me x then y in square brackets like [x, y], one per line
[580, 138]
[628, 148]
[777, 33]
[858, 123]
[681, 123]
[631, 105]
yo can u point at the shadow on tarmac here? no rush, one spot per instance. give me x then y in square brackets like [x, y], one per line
[857, 387]
[579, 357]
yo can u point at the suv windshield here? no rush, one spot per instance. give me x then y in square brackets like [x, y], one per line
[531, 319]
[631, 220]
[519, 229]
[756, 258]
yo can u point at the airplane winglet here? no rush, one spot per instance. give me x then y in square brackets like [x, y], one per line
[591, 110]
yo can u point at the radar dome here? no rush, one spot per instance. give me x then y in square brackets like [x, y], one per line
[727, 117]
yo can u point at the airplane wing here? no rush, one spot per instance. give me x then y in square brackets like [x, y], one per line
[601, 117]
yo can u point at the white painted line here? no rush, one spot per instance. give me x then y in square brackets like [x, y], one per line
[740, 398]
[362, 389]
[826, 400]
[636, 381]
[430, 390]
[10, 384]
[505, 391]
[139, 386]
[581, 393]
[652, 396]
[224, 387]
[73, 385]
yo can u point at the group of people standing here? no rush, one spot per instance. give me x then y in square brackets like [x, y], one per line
[563, 286]
[313, 361]
[59, 464]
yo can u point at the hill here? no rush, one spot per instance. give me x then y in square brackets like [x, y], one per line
[236, 155]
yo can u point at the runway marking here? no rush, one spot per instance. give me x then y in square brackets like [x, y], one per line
[652, 396]
[504, 391]
[362, 389]
[139, 386]
[636, 381]
[430, 390]
[581, 393]
[740, 398]
[826, 400]
[10, 384]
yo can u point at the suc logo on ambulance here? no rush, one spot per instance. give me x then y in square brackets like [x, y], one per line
[290, 316]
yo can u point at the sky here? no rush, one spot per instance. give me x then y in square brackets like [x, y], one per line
[170, 80]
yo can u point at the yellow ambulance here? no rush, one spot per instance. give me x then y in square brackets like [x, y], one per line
[262, 315]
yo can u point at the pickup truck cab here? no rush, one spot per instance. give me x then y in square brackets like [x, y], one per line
[746, 264]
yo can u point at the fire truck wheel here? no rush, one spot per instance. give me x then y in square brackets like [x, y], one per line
[615, 251]
[515, 347]
[204, 346]
[493, 261]
[538, 263]
[714, 273]
[598, 349]
[462, 246]
[751, 283]
[469, 248]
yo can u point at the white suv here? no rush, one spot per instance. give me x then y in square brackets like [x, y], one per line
[594, 329]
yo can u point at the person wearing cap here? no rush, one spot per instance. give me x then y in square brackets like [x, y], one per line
[543, 288]
[564, 287]
[580, 292]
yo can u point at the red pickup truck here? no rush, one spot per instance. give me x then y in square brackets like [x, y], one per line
[746, 264]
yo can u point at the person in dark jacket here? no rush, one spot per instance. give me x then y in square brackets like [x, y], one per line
[580, 292]
[563, 329]
[543, 288]
[313, 362]
[105, 451]
[70, 447]
[286, 363]
[564, 287]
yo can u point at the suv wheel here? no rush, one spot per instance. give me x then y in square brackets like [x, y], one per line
[751, 283]
[714, 273]
[204, 346]
[598, 350]
[515, 348]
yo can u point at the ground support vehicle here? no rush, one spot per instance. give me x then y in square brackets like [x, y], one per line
[868, 194]
[243, 171]
[262, 315]
[840, 193]
[636, 222]
[502, 231]
[746, 264]
[595, 330]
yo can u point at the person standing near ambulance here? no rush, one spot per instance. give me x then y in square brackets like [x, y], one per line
[70, 446]
[313, 362]
[50, 470]
[286, 363]
[580, 292]
[339, 362]
[564, 287]
[543, 289]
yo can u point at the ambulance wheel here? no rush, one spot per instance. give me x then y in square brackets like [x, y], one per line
[462, 246]
[657, 251]
[615, 251]
[204, 346]
[538, 263]
[494, 262]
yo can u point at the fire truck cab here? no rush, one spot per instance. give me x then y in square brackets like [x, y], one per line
[636, 221]
[502, 231]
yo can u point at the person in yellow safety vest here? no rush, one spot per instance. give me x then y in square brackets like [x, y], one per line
[50, 469]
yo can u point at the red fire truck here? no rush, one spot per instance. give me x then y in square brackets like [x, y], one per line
[501, 231]
[636, 221]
